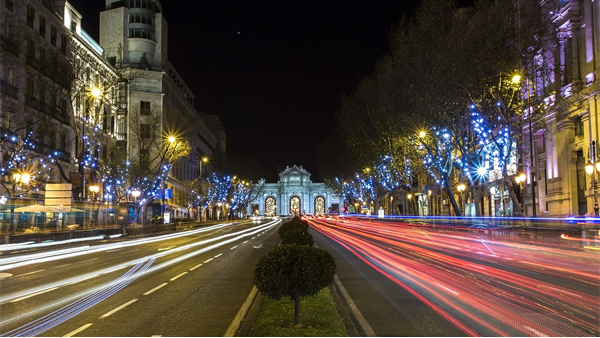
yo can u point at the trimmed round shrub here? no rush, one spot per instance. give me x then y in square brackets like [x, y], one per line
[294, 271]
[297, 236]
[292, 225]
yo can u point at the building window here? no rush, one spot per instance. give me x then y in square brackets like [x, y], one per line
[42, 26]
[53, 36]
[578, 126]
[141, 33]
[30, 15]
[8, 120]
[141, 18]
[144, 108]
[9, 5]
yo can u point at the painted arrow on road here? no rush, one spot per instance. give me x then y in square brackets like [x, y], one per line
[258, 247]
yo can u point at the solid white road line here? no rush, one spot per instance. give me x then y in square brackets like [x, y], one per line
[119, 308]
[179, 275]
[72, 333]
[197, 266]
[156, 288]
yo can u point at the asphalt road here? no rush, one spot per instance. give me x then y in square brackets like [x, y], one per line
[185, 284]
[415, 281]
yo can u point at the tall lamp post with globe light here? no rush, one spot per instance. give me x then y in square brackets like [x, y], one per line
[136, 194]
[520, 179]
[593, 169]
[461, 189]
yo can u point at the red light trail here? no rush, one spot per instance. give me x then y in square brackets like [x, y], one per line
[484, 287]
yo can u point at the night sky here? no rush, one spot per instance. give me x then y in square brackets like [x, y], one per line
[273, 71]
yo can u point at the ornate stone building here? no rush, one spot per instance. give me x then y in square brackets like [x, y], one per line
[295, 194]
[569, 139]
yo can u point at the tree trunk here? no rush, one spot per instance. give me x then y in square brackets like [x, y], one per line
[452, 200]
[477, 200]
[296, 309]
[514, 198]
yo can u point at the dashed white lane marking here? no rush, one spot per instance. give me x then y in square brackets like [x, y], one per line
[33, 294]
[233, 247]
[114, 250]
[245, 242]
[163, 249]
[253, 238]
[72, 333]
[89, 260]
[197, 266]
[179, 275]
[29, 273]
[219, 255]
[130, 251]
[208, 260]
[119, 308]
[61, 266]
[156, 288]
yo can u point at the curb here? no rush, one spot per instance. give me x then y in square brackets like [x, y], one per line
[238, 320]
[360, 322]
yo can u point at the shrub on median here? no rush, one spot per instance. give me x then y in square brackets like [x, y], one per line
[294, 271]
[297, 236]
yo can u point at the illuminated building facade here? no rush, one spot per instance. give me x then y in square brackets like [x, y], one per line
[295, 194]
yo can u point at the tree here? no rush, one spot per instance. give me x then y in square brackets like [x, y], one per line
[294, 271]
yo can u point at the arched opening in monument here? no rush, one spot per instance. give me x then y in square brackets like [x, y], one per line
[295, 206]
[319, 206]
[270, 206]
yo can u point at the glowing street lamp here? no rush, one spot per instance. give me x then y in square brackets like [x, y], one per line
[94, 190]
[461, 188]
[589, 169]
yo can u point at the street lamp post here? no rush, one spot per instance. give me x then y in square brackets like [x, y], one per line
[409, 203]
[136, 194]
[461, 188]
[589, 168]
[93, 191]
[23, 178]
[171, 140]
[521, 181]
[429, 206]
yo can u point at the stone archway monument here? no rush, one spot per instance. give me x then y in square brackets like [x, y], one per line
[295, 194]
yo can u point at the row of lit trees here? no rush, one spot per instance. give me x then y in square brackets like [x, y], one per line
[449, 102]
